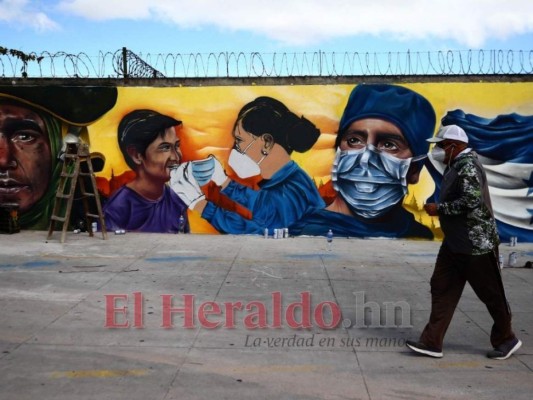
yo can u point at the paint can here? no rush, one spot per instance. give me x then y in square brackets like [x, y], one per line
[181, 224]
[9, 220]
[512, 259]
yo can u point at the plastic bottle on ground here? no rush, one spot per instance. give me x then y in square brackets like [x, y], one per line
[329, 238]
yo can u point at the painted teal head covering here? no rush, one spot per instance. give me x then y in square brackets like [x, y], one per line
[408, 110]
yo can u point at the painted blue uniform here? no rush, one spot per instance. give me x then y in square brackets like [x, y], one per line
[280, 201]
[399, 224]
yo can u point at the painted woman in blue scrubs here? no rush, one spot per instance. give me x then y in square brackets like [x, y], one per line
[266, 132]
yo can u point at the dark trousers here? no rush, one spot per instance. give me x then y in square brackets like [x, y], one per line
[452, 271]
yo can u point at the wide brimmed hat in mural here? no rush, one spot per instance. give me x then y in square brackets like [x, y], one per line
[76, 105]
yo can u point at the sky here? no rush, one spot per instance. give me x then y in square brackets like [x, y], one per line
[264, 26]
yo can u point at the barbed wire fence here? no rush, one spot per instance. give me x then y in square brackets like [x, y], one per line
[125, 64]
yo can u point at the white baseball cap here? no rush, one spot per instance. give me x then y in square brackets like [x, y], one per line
[451, 132]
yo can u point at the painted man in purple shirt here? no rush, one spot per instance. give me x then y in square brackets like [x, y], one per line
[151, 148]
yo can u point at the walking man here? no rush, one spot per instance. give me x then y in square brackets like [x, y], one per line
[469, 251]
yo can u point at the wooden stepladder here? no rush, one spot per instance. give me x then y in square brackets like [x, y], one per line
[77, 163]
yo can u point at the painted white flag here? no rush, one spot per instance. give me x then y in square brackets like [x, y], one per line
[510, 191]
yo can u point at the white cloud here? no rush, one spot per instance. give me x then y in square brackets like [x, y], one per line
[22, 13]
[297, 22]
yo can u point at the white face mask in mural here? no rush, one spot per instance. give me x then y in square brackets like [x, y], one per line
[242, 164]
[370, 181]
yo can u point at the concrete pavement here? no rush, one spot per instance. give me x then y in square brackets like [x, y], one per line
[55, 300]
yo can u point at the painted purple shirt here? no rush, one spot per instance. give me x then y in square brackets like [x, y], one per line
[126, 209]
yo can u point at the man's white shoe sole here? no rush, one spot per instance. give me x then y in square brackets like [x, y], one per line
[426, 352]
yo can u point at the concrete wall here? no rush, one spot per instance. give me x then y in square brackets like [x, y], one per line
[496, 113]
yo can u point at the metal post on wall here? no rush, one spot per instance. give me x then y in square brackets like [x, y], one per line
[125, 62]
[227, 65]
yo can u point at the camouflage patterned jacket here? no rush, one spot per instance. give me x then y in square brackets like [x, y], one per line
[465, 210]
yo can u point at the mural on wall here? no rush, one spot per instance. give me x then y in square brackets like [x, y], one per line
[223, 159]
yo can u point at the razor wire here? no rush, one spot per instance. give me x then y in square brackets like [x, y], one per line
[125, 64]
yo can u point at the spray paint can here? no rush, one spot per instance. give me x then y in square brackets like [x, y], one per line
[181, 224]
[500, 263]
[266, 233]
[94, 227]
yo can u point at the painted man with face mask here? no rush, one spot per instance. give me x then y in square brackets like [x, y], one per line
[380, 150]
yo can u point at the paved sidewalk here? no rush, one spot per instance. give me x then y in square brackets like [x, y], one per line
[54, 345]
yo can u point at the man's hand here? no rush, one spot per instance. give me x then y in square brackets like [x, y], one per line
[431, 209]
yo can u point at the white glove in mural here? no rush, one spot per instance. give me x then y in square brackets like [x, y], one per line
[186, 187]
